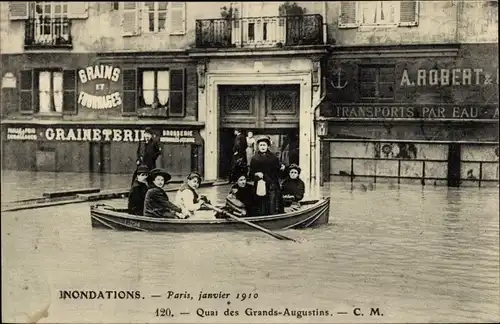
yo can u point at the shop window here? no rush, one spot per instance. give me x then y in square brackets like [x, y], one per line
[160, 90]
[376, 82]
[378, 13]
[47, 91]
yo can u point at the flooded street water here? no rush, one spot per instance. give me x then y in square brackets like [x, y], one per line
[418, 254]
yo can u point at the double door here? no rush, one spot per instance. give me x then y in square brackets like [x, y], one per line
[264, 107]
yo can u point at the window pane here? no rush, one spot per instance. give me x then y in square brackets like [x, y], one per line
[368, 75]
[386, 74]
[368, 90]
[150, 6]
[151, 21]
[163, 96]
[386, 90]
[369, 12]
[148, 96]
[163, 82]
[176, 103]
[148, 80]
[162, 5]
[162, 21]
[177, 80]
[387, 11]
[58, 91]
[44, 88]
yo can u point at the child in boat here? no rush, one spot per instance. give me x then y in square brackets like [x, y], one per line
[156, 203]
[293, 188]
[137, 193]
[240, 200]
[188, 198]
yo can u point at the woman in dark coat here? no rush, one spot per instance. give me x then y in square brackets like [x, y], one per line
[265, 166]
[156, 203]
[293, 187]
[137, 193]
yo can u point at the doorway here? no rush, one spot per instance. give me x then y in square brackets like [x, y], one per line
[284, 143]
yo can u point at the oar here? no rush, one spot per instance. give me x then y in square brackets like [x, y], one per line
[260, 228]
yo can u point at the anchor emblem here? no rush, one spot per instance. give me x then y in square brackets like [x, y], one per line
[338, 72]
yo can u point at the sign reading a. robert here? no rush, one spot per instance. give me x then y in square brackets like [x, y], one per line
[99, 87]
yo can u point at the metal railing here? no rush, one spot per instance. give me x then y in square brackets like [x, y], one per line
[273, 31]
[48, 32]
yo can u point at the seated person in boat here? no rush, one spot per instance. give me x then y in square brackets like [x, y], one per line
[240, 200]
[137, 193]
[188, 198]
[156, 203]
[293, 187]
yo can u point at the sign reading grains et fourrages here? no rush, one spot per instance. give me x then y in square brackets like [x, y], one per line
[99, 87]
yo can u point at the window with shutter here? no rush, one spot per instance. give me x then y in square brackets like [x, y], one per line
[69, 88]
[348, 15]
[129, 91]
[408, 15]
[18, 10]
[26, 91]
[177, 18]
[130, 18]
[155, 16]
[78, 10]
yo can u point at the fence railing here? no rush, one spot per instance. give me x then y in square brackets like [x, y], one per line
[260, 31]
[48, 32]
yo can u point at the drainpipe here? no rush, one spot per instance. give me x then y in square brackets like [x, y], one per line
[314, 183]
[325, 26]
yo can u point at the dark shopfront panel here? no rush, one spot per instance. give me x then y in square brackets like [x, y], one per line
[99, 149]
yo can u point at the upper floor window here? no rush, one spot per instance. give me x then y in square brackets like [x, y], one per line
[378, 13]
[376, 82]
[151, 17]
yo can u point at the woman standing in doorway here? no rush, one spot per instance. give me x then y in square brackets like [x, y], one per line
[250, 150]
[265, 170]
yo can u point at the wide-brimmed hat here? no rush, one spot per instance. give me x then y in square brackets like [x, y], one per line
[158, 171]
[294, 166]
[142, 169]
[264, 138]
[148, 130]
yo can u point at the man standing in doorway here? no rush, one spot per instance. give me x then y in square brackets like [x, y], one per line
[147, 151]
[239, 163]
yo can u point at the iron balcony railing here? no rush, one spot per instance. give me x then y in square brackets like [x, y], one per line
[48, 32]
[260, 31]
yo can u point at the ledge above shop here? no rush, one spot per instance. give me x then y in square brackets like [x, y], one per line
[105, 122]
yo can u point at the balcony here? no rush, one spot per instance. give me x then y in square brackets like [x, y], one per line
[47, 33]
[277, 31]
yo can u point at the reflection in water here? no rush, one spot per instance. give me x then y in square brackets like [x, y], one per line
[419, 254]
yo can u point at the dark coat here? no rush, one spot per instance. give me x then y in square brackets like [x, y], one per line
[148, 152]
[136, 198]
[240, 146]
[157, 204]
[294, 187]
[269, 164]
[246, 195]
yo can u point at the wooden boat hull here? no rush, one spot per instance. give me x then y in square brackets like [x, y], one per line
[311, 214]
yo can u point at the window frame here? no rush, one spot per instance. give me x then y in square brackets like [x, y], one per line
[377, 97]
[36, 94]
[168, 108]
[359, 10]
[156, 12]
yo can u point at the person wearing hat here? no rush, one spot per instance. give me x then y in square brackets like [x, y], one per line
[239, 160]
[148, 151]
[156, 203]
[265, 170]
[137, 193]
[293, 187]
[240, 200]
[188, 198]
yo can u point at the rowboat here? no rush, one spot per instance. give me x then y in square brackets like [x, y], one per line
[312, 213]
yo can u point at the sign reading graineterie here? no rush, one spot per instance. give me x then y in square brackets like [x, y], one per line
[430, 112]
[94, 134]
[99, 87]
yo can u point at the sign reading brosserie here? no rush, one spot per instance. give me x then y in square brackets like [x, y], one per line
[413, 112]
[96, 87]
[71, 134]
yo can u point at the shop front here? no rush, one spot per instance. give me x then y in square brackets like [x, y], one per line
[88, 113]
[430, 119]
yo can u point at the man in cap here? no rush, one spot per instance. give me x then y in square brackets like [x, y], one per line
[148, 151]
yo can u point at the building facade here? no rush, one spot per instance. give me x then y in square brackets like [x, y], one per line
[349, 90]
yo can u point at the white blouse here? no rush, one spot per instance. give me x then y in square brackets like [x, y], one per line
[184, 200]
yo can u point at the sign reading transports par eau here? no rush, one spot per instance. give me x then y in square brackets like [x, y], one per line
[72, 134]
[99, 87]
[467, 112]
